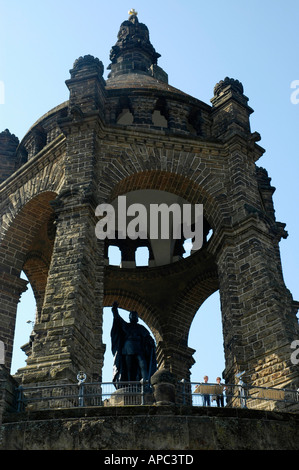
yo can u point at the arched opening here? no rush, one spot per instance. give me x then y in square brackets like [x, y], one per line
[114, 255]
[158, 219]
[107, 370]
[159, 120]
[187, 247]
[125, 117]
[25, 319]
[206, 337]
[160, 115]
[142, 256]
[195, 122]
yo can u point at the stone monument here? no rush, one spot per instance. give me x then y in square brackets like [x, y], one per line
[135, 135]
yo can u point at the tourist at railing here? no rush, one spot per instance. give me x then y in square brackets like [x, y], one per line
[206, 396]
[205, 390]
[210, 392]
[219, 390]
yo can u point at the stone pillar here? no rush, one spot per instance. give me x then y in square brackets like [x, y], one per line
[230, 109]
[8, 386]
[178, 116]
[259, 323]
[8, 159]
[87, 87]
[68, 337]
[11, 289]
[143, 109]
[176, 358]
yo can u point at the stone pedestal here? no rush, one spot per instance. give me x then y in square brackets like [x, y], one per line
[129, 396]
[163, 382]
[7, 389]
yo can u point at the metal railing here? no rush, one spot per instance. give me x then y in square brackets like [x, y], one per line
[84, 394]
[239, 395]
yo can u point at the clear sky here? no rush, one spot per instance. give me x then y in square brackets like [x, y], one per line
[200, 43]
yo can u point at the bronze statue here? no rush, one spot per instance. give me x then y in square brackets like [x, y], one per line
[133, 349]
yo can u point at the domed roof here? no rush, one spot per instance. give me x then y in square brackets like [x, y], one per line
[140, 82]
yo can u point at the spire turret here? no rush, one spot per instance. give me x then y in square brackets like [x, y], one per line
[133, 51]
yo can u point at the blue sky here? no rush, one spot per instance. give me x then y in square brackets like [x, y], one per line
[200, 43]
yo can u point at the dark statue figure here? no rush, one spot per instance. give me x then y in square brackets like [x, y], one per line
[133, 349]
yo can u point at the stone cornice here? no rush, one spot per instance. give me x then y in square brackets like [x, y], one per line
[185, 264]
[168, 139]
[238, 142]
[243, 229]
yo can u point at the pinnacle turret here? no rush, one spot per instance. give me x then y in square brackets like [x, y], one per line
[133, 51]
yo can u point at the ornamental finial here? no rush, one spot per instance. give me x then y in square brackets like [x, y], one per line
[133, 12]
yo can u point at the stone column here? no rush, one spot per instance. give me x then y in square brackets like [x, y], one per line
[230, 109]
[68, 337]
[176, 358]
[178, 116]
[8, 147]
[11, 289]
[143, 109]
[7, 392]
[259, 323]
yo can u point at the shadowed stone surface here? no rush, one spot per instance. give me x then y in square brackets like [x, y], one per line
[169, 427]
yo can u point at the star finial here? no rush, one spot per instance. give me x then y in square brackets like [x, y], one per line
[133, 12]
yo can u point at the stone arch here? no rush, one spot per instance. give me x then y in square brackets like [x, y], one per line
[196, 176]
[176, 342]
[191, 300]
[48, 181]
[177, 184]
[160, 114]
[36, 267]
[25, 246]
[175, 320]
[23, 228]
[124, 112]
[189, 281]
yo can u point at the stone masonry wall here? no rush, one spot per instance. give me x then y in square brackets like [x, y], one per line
[151, 428]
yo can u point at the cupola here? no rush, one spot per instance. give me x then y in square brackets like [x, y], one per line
[133, 51]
